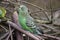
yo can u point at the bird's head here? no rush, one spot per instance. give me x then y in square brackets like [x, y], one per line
[23, 10]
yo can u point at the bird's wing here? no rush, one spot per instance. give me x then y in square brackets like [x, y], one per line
[30, 22]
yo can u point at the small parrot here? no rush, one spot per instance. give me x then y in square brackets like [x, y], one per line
[2, 13]
[26, 21]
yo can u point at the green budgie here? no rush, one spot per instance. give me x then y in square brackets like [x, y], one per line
[26, 21]
[2, 12]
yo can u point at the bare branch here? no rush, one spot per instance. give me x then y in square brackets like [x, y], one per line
[5, 35]
[21, 30]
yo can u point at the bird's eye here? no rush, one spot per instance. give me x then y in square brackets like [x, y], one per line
[22, 9]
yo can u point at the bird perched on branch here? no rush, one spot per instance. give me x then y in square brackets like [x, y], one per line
[26, 21]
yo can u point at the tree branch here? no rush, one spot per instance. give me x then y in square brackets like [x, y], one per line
[21, 30]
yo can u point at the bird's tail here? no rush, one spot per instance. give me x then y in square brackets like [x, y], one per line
[39, 31]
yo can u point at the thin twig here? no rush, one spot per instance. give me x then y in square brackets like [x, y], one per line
[10, 32]
[39, 37]
[55, 33]
[5, 34]
[54, 37]
[4, 28]
[49, 27]
[41, 21]
[9, 35]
